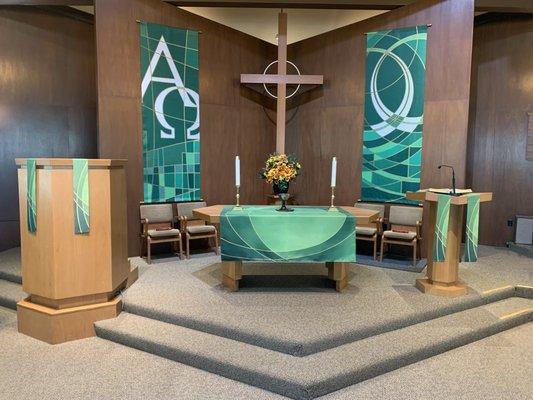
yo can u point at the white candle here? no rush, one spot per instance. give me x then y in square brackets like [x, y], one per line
[334, 172]
[237, 171]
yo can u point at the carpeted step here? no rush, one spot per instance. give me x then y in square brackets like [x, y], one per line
[10, 265]
[357, 329]
[10, 294]
[320, 373]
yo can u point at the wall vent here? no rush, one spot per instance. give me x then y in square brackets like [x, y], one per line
[524, 229]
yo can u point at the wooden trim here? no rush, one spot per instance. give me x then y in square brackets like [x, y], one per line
[287, 79]
[68, 162]
[211, 214]
[426, 195]
[57, 326]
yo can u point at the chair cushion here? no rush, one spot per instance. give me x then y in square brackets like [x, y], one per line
[196, 229]
[165, 233]
[365, 230]
[399, 235]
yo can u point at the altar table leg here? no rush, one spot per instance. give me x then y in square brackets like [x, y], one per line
[339, 273]
[231, 274]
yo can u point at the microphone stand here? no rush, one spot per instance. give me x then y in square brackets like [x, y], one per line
[454, 192]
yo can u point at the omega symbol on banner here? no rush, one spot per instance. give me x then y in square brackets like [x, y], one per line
[190, 98]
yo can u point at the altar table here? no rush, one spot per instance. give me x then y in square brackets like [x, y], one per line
[306, 235]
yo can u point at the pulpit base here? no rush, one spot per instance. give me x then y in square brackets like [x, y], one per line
[455, 289]
[55, 326]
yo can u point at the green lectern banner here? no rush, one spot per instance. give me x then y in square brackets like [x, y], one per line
[31, 199]
[308, 234]
[80, 188]
[170, 113]
[472, 227]
[441, 227]
[394, 110]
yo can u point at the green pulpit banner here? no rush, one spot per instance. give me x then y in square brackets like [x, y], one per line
[394, 113]
[31, 199]
[170, 113]
[441, 227]
[80, 188]
[472, 227]
[308, 234]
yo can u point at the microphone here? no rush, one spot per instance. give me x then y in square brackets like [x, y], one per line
[453, 177]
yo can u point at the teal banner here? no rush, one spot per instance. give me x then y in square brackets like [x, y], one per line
[170, 113]
[394, 113]
[31, 195]
[80, 187]
[441, 227]
[308, 234]
[472, 227]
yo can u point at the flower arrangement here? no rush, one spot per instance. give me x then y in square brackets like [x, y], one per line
[280, 169]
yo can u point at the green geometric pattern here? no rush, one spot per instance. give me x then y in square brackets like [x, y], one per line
[31, 199]
[394, 111]
[308, 234]
[472, 227]
[441, 227]
[80, 186]
[170, 113]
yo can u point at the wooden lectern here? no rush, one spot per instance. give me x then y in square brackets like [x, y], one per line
[443, 277]
[72, 279]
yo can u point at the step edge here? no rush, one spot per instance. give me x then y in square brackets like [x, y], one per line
[305, 387]
[306, 348]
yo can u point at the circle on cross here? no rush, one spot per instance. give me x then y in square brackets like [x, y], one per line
[265, 73]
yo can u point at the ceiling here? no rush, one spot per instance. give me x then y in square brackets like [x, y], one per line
[263, 22]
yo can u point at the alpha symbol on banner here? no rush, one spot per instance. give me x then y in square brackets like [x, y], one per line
[189, 97]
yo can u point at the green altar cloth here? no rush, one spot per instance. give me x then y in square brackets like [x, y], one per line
[308, 234]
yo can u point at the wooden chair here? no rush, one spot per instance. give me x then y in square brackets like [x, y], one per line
[372, 231]
[157, 226]
[405, 225]
[195, 228]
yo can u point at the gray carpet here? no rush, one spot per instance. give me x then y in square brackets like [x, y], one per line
[493, 368]
[320, 373]
[94, 368]
[299, 314]
[392, 263]
[10, 265]
[97, 368]
[10, 278]
[10, 294]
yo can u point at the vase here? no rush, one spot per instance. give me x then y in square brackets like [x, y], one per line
[280, 187]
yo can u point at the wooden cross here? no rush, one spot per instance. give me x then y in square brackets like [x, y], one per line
[282, 79]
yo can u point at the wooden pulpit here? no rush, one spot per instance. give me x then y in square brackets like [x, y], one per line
[442, 278]
[73, 273]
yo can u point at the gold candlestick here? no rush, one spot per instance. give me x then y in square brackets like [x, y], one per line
[237, 198]
[332, 206]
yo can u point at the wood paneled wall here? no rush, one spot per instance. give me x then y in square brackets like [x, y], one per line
[332, 124]
[230, 124]
[48, 97]
[502, 94]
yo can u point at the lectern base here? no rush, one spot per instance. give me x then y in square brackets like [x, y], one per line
[454, 290]
[62, 325]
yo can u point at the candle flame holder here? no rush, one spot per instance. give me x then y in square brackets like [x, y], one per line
[237, 199]
[332, 206]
